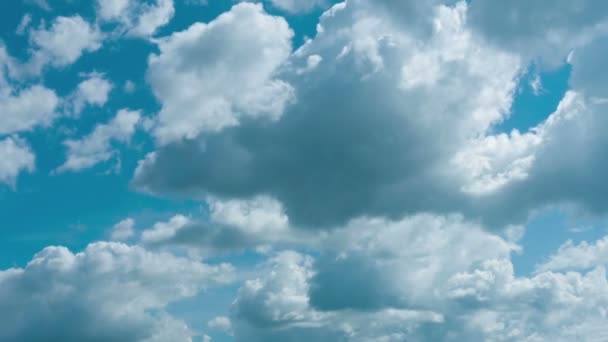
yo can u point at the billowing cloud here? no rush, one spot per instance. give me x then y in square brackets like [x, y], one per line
[582, 256]
[211, 75]
[62, 43]
[108, 292]
[15, 157]
[135, 17]
[97, 146]
[351, 143]
[422, 279]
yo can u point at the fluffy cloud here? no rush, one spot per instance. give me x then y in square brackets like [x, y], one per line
[93, 91]
[211, 75]
[97, 146]
[583, 256]
[233, 226]
[449, 283]
[22, 108]
[123, 230]
[62, 43]
[15, 157]
[351, 143]
[25, 109]
[135, 17]
[108, 292]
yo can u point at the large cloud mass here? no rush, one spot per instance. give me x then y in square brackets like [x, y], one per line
[108, 292]
[369, 170]
[351, 143]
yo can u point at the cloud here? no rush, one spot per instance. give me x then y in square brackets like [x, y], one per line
[108, 292]
[93, 91]
[233, 226]
[25, 22]
[428, 278]
[220, 323]
[15, 157]
[25, 109]
[297, 6]
[123, 230]
[211, 75]
[351, 143]
[136, 18]
[96, 147]
[536, 30]
[583, 256]
[22, 107]
[61, 44]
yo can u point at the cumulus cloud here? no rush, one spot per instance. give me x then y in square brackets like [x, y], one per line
[62, 43]
[351, 143]
[22, 108]
[97, 146]
[403, 281]
[15, 157]
[93, 91]
[123, 230]
[108, 292]
[211, 75]
[582, 256]
[135, 17]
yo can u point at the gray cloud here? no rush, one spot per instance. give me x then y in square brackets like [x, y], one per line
[365, 136]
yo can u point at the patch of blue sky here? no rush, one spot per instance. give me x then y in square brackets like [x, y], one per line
[537, 96]
[548, 229]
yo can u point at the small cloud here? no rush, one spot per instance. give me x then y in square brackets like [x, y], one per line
[580, 229]
[221, 323]
[24, 24]
[129, 87]
[123, 230]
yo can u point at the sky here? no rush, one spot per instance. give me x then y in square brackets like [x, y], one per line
[296, 170]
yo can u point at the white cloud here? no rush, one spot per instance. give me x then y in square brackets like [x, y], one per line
[93, 91]
[15, 157]
[62, 43]
[123, 230]
[22, 108]
[136, 18]
[210, 75]
[25, 109]
[446, 283]
[221, 323]
[97, 146]
[232, 226]
[108, 292]
[583, 256]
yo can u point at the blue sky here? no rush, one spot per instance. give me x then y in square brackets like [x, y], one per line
[219, 170]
